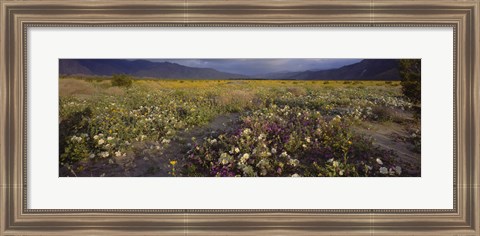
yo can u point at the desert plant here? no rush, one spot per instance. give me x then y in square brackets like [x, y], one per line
[411, 79]
[122, 80]
[410, 71]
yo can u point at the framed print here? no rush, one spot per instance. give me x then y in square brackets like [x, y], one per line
[239, 117]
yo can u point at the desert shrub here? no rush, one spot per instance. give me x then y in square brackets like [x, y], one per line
[380, 113]
[411, 79]
[122, 80]
[410, 71]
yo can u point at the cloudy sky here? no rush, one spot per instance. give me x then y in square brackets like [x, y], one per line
[262, 66]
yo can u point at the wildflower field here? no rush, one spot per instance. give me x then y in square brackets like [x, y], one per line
[248, 128]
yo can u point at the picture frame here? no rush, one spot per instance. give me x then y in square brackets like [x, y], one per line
[17, 16]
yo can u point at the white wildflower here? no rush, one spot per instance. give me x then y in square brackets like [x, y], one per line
[398, 169]
[76, 139]
[225, 158]
[293, 162]
[101, 141]
[164, 141]
[383, 170]
[247, 131]
[284, 154]
[244, 158]
[104, 154]
[380, 162]
[335, 164]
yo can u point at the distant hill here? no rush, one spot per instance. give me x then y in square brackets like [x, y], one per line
[368, 69]
[138, 68]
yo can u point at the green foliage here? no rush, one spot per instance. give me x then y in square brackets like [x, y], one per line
[122, 80]
[410, 71]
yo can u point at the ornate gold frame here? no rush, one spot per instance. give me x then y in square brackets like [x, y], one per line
[17, 16]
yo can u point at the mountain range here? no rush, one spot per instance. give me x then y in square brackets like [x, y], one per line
[367, 69]
[138, 68]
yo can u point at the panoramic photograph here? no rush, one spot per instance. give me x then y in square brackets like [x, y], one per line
[275, 117]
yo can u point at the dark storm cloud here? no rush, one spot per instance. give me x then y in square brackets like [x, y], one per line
[262, 66]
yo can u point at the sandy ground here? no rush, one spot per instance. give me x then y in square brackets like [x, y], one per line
[390, 136]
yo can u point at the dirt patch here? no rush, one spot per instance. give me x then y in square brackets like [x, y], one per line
[392, 136]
